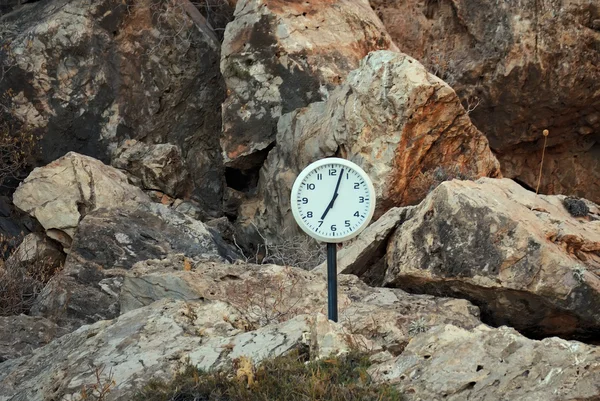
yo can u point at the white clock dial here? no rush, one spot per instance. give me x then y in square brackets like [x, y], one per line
[333, 200]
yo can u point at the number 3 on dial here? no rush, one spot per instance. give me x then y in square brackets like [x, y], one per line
[333, 200]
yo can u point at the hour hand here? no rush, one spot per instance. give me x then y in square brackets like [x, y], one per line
[329, 207]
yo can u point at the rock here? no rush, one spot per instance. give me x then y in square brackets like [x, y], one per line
[147, 71]
[14, 223]
[159, 167]
[109, 242]
[571, 168]
[60, 194]
[405, 127]
[154, 342]
[521, 70]
[20, 335]
[454, 364]
[365, 256]
[383, 315]
[523, 259]
[37, 254]
[278, 56]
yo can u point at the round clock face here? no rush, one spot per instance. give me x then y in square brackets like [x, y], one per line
[333, 200]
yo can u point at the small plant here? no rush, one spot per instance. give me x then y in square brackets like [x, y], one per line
[417, 326]
[287, 378]
[545, 133]
[99, 390]
[576, 207]
[579, 273]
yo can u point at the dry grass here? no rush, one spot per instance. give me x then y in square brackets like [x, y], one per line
[287, 378]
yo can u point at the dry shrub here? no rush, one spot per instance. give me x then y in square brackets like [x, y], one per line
[100, 388]
[22, 278]
[267, 299]
[17, 149]
[300, 251]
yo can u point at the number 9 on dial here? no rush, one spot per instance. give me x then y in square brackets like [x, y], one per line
[333, 200]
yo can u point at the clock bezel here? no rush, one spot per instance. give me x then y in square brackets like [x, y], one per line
[296, 187]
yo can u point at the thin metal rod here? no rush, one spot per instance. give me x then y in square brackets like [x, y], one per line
[332, 281]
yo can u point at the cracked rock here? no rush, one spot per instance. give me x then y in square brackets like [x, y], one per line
[522, 258]
[404, 126]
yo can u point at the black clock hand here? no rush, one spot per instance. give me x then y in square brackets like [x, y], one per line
[335, 195]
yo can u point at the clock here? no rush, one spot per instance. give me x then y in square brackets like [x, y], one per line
[333, 200]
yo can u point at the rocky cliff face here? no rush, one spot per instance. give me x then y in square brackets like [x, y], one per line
[86, 75]
[161, 198]
[522, 66]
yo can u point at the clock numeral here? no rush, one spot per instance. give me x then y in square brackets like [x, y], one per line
[304, 201]
[319, 176]
[309, 215]
[332, 171]
[347, 223]
[320, 223]
[310, 186]
[361, 199]
[333, 227]
[356, 185]
[356, 214]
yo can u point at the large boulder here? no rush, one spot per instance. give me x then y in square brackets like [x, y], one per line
[278, 56]
[107, 243]
[83, 75]
[450, 363]
[154, 342]
[405, 127]
[521, 69]
[524, 259]
[269, 294]
[60, 194]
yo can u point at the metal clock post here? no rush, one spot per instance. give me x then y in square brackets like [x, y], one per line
[345, 194]
[332, 281]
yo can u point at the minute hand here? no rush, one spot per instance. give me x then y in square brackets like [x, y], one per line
[335, 195]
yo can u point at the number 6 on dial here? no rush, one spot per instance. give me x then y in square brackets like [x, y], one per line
[333, 200]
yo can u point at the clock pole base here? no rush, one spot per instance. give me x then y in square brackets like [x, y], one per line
[332, 281]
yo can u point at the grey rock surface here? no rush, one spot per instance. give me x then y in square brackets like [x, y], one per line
[450, 363]
[265, 294]
[107, 243]
[21, 335]
[154, 342]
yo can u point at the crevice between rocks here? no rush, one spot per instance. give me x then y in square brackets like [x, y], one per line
[538, 318]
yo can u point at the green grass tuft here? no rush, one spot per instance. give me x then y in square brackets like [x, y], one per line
[286, 378]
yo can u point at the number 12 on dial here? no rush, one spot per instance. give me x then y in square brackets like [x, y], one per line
[333, 200]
